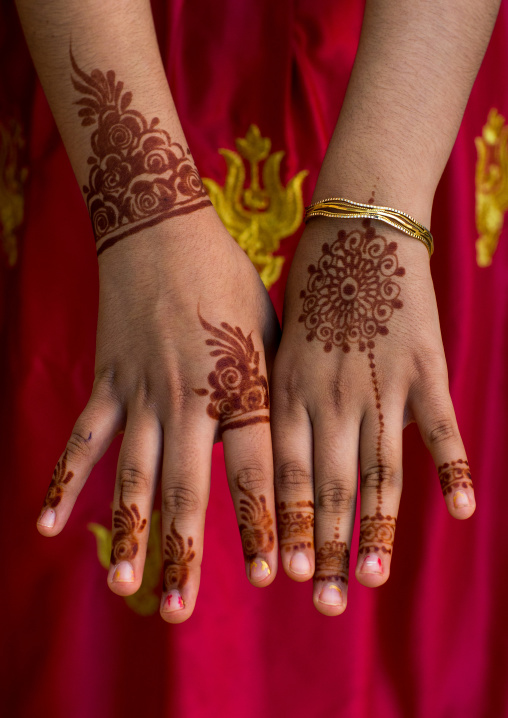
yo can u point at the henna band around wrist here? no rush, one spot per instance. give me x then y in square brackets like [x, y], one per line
[340, 207]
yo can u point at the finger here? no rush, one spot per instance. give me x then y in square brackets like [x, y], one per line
[249, 466]
[336, 478]
[92, 434]
[381, 487]
[294, 488]
[435, 416]
[136, 481]
[186, 470]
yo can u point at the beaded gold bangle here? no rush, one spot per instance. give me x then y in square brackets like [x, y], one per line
[340, 207]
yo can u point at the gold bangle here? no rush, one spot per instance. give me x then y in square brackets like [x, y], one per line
[340, 207]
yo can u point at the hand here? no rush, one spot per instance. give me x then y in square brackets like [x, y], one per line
[186, 333]
[361, 356]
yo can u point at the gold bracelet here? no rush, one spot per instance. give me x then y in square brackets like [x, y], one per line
[339, 207]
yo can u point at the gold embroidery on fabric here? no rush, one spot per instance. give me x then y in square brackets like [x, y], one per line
[491, 186]
[12, 177]
[144, 601]
[258, 217]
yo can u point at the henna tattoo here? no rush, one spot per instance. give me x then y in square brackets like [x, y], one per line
[61, 477]
[332, 560]
[138, 176]
[256, 525]
[127, 523]
[454, 475]
[295, 525]
[178, 554]
[351, 296]
[377, 533]
[239, 395]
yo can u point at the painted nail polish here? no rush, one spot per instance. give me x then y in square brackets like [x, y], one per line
[300, 564]
[47, 518]
[331, 595]
[371, 564]
[124, 573]
[460, 500]
[173, 602]
[259, 569]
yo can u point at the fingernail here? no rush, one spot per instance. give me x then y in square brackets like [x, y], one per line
[47, 518]
[300, 563]
[331, 595]
[460, 500]
[173, 602]
[124, 573]
[259, 569]
[371, 564]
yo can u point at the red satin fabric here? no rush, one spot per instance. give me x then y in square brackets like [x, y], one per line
[433, 641]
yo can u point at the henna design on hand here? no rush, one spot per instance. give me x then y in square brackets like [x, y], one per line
[138, 176]
[351, 296]
[295, 525]
[60, 478]
[332, 560]
[256, 525]
[377, 533]
[178, 554]
[239, 395]
[127, 523]
[454, 475]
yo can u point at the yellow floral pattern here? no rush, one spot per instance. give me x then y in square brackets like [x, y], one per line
[12, 178]
[491, 186]
[261, 215]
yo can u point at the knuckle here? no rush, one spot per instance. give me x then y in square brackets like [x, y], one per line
[134, 481]
[251, 479]
[372, 477]
[288, 388]
[334, 496]
[441, 430]
[292, 477]
[180, 499]
[78, 446]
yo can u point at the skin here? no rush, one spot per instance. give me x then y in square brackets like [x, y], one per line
[392, 140]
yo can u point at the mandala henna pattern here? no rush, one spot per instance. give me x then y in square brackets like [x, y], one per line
[332, 560]
[127, 523]
[178, 554]
[454, 475]
[239, 392]
[138, 176]
[61, 477]
[295, 525]
[255, 525]
[352, 293]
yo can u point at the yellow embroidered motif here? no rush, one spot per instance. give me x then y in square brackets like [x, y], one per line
[12, 177]
[491, 186]
[144, 601]
[258, 217]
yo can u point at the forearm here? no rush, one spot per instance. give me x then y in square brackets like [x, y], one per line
[414, 70]
[101, 70]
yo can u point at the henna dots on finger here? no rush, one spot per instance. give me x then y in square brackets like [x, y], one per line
[178, 554]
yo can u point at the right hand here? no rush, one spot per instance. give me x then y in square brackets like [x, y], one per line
[176, 371]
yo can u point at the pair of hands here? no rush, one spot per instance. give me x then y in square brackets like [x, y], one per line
[187, 339]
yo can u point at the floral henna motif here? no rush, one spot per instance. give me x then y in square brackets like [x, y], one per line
[454, 475]
[60, 478]
[138, 176]
[178, 554]
[127, 523]
[256, 525]
[295, 525]
[239, 392]
[352, 292]
[332, 560]
[377, 533]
